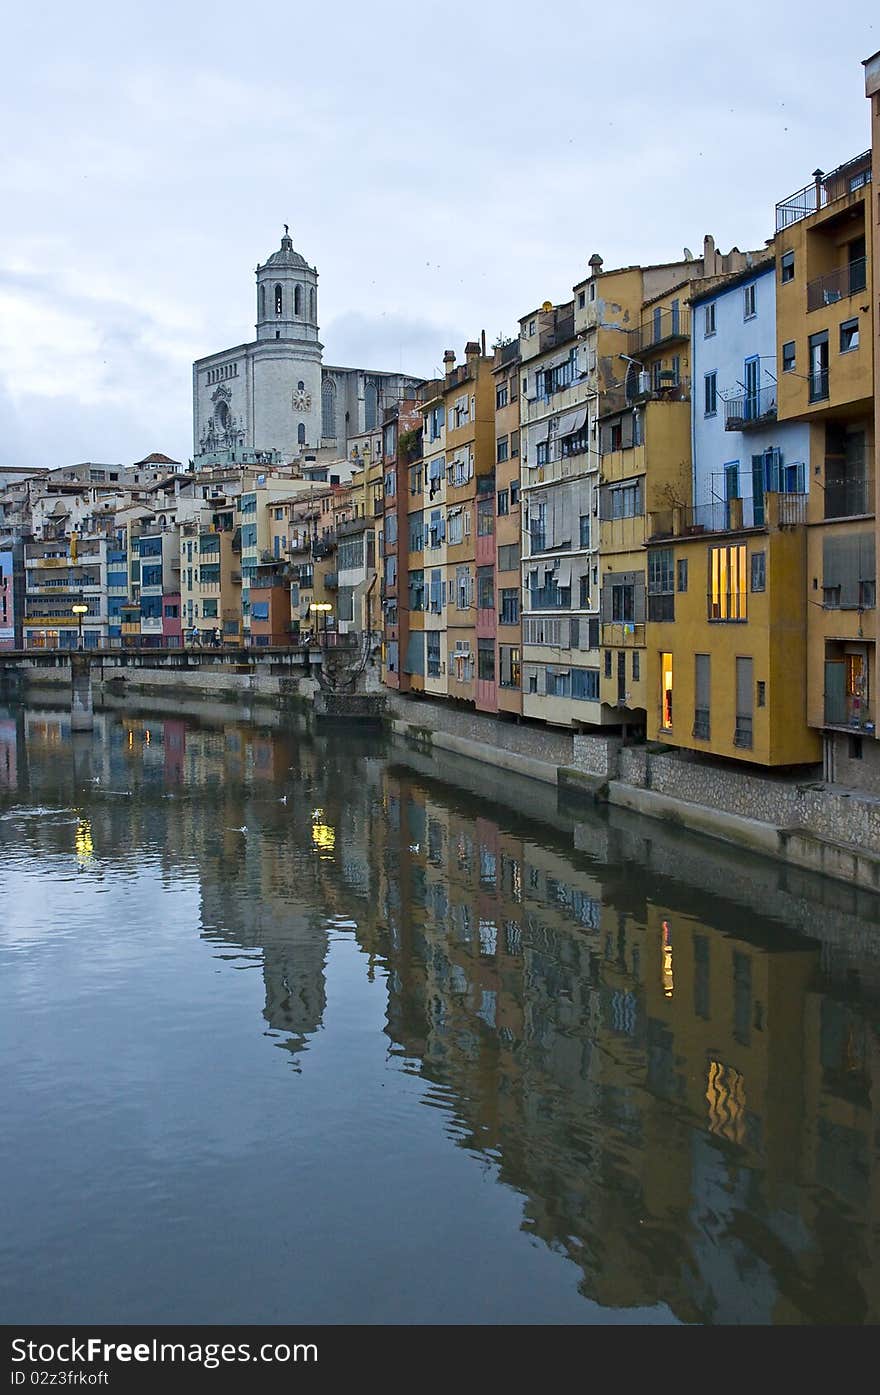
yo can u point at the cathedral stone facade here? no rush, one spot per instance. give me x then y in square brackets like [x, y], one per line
[273, 399]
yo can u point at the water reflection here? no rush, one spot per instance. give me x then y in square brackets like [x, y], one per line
[630, 1029]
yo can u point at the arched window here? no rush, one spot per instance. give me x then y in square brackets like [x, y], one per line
[262, 302]
[221, 415]
[279, 306]
[371, 406]
[297, 300]
[328, 409]
[301, 433]
[312, 303]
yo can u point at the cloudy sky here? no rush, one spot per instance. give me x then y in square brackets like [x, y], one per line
[446, 166]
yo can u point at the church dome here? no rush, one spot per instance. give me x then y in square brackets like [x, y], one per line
[286, 256]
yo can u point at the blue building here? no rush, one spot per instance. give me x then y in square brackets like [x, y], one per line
[739, 450]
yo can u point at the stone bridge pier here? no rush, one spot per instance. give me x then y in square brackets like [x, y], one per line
[81, 714]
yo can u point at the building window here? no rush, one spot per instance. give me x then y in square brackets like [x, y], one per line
[503, 502]
[702, 682]
[786, 267]
[789, 358]
[759, 571]
[681, 568]
[279, 303]
[762, 693]
[750, 301]
[623, 603]
[849, 336]
[607, 663]
[582, 299]
[593, 290]
[485, 588]
[855, 748]
[727, 582]
[710, 390]
[636, 666]
[501, 450]
[486, 660]
[666, 692]
[709, 320]
[509, 606]
[831, 597]
[867, 595]
[297, 300]
[584, 529]
[501, 396]
[509, 676]
[661, 575]
[585, 684]
[508, 557]
[514, 487]
[819, 366]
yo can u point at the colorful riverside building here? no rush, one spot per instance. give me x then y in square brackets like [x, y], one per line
[825, 351]
[403, 463]
[644, 420]
[507, 541]
[426, 656]
[469, 401]
[210, 575]
[726, 583]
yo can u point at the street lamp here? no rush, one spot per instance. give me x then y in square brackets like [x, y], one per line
[80, 609]
[322, 608]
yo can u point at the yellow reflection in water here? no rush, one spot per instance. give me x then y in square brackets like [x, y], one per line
[83, 844]
[668, 984]
[323, 836]
[726, 1097]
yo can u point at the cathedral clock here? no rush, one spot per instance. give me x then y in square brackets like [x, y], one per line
[302, 400]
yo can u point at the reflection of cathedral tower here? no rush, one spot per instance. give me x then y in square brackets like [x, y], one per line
[272, 395]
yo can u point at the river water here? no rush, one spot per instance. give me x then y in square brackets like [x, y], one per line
[308, 1028]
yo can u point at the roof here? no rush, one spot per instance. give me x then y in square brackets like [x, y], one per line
[722, 283]
[155, 459]
[285, 256]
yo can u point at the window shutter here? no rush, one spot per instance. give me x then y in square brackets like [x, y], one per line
[867, 555]
[639, 598]
[604, 439]
[605, 603]
[626, 430]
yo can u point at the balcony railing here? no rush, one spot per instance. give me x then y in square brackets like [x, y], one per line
[661, 328]
[845, 281]
[848, 496]
[623, 634]
[818, 385]
[848, 710]
[749, 411]
[701, 723]
[825, 189]
[742, 735]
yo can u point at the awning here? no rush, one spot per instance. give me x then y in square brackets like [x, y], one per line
[572, 422]
[563, 575]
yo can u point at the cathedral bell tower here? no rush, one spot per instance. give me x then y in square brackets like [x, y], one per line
[287, 296]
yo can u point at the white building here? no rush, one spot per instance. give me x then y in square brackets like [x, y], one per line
[273, 396]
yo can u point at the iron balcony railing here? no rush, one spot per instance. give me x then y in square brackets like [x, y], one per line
[701, 723]
[748, 411]
[742, 735]
[818, 383]
[825, 189]
[661, 328]
[836, 285]
[848, 496]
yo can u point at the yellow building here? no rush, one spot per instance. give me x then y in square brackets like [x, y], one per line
[210, 582]
[726, 635]
[825, 346]
[644, 417]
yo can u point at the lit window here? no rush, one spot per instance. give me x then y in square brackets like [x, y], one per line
[728, 582]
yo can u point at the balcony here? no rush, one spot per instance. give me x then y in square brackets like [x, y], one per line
[664, 327]
[824, 190]
[331, 581]
[849, 496]
[323, 549]
[623, 634]
[749, 411]
[837, 285]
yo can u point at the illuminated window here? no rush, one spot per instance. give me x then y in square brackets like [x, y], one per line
[666, 692]
[728, 582]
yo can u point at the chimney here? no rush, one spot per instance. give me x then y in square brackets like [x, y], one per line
[595, 264]
[471, 353]
[483, 343]
[449, 362]
[708, 255]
